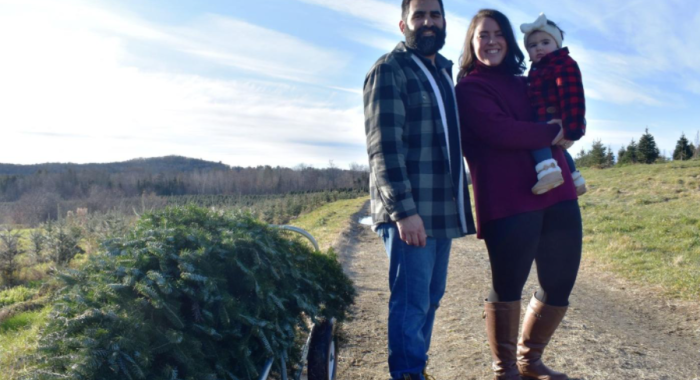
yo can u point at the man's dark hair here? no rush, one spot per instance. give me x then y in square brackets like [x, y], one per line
[514, 60]
[406, 5]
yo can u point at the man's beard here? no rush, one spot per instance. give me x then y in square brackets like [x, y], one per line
[425, 45]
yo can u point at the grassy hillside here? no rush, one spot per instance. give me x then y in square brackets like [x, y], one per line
[326, 222]
[643, 222]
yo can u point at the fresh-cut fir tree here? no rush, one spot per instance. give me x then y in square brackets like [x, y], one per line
[189, 294]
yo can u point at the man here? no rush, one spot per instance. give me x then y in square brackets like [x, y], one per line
[418, 186]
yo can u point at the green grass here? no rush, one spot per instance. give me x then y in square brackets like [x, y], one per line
[643, 222]
[18, 339]
[15, 295]
[326, 222]
[19, 322]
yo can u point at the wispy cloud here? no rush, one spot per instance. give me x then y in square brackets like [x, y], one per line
[215, 39]
[613, 132]
[622, 79]
[94, 78]
[238, 122]
[382, 17]
[642, 41]
[377, 14]
[75, 87]
[237, 43]
[639, 40]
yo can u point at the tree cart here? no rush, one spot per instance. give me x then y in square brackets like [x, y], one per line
[319, 355]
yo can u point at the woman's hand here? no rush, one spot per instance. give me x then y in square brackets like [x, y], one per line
[560, 140]
[566, 144]
[560, 135]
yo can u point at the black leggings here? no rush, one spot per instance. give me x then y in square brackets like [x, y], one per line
[551, 237]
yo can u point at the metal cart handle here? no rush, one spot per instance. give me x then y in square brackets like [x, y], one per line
[300, 231]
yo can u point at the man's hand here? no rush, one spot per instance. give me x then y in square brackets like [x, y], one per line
[560, 135]
[411, 230]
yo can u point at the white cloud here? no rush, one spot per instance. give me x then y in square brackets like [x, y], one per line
[635, 42]
[692, 85]
[89, 79]
[73, 90]
[613, 132]
[621, 91]
[373, 39]
[378, 14]
[384, 18]
[642, 41]
[236, 43]
[240, 123]
[217, 40]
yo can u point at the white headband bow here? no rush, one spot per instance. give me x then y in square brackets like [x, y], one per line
[540, 25]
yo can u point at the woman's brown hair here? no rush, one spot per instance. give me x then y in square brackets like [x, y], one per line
[514, 61]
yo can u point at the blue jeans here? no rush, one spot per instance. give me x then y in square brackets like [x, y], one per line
[417, 279]
[540, 155]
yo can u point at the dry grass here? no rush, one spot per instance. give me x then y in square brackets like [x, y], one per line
[643, 222]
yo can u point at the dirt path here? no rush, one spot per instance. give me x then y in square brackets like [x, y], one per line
[613, 330]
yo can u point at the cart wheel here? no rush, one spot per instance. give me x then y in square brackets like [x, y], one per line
[323, 352]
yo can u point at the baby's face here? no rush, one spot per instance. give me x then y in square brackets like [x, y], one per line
[540, 44]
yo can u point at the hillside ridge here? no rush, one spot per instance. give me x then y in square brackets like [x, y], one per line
[163, 164]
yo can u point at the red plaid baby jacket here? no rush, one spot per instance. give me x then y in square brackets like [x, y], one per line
[556, 92]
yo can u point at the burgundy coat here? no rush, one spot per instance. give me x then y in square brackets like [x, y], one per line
[556, 92]
[498, 133]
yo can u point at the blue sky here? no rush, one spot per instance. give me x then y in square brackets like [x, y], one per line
[278, 82]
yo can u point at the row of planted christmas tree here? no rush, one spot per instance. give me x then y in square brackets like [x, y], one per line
[645, 151]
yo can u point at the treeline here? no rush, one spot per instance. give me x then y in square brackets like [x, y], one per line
[152, 165]
[48, 193]
[81, 184]
[645, 151]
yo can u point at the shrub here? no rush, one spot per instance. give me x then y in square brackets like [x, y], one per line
[598, 157]
[63, 242]
[9, 251]
[37, 241]
[188, 294]
[16, 295]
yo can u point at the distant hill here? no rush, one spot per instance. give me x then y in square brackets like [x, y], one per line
[168, 164]
[30, 194]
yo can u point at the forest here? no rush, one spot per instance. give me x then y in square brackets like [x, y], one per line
[34, 194]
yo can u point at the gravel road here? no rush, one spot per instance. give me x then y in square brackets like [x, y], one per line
[613, 330]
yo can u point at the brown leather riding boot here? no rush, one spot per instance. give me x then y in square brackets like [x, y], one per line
[538, 327]
[502, 320]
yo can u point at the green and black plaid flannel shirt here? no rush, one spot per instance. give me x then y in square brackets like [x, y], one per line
[409, 164]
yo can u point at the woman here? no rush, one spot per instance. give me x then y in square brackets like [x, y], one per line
[517, 225]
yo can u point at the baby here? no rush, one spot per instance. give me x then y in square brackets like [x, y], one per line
[556, 92]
